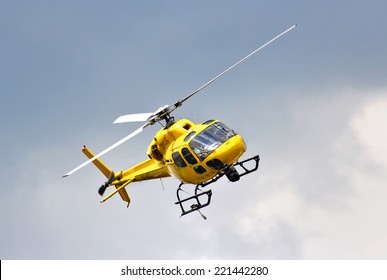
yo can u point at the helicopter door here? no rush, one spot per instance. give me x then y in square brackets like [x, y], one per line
[179, 161]
[188, 156]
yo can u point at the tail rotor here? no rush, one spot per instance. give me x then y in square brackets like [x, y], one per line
[103, 188]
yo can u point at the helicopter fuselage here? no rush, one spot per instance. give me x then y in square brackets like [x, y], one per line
[195, 153]
[192, 153]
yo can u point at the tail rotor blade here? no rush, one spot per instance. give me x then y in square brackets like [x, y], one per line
[103, 188]
[111, 178]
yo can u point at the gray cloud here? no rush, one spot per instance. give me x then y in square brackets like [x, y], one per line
[311, 105]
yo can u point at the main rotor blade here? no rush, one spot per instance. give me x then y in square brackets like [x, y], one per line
[180, 102]
[138, 117]
[133, 118]
[134, 133]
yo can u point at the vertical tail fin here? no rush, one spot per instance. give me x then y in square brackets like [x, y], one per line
[98, 163]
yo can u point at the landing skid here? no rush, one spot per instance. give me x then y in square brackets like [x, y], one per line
[197, 201]
[247, 170]
[201, 198]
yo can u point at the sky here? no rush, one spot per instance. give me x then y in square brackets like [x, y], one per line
[313, 105]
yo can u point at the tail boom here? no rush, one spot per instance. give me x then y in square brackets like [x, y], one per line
[146, 170]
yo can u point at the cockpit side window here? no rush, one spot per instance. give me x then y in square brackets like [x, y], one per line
[188, 156]
[179, 161]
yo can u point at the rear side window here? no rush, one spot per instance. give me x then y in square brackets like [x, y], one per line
[179, 161]
[199, 169]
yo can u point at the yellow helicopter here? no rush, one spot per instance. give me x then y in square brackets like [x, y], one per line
[197, 154]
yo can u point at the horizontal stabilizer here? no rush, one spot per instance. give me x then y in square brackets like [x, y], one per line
[119, 189]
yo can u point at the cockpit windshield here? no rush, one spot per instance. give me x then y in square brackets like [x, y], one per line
[209, 139]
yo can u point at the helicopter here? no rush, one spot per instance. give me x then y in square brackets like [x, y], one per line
[198, 154]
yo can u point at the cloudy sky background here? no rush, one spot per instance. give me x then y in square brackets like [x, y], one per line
[313, 105]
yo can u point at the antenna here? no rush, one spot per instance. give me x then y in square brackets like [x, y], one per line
[201, 214]
[162, 184]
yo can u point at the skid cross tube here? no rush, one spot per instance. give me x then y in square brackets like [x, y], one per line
[197, 205]
[246, 170]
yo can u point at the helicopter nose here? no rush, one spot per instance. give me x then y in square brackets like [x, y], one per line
[235, 147]
[239, 145]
